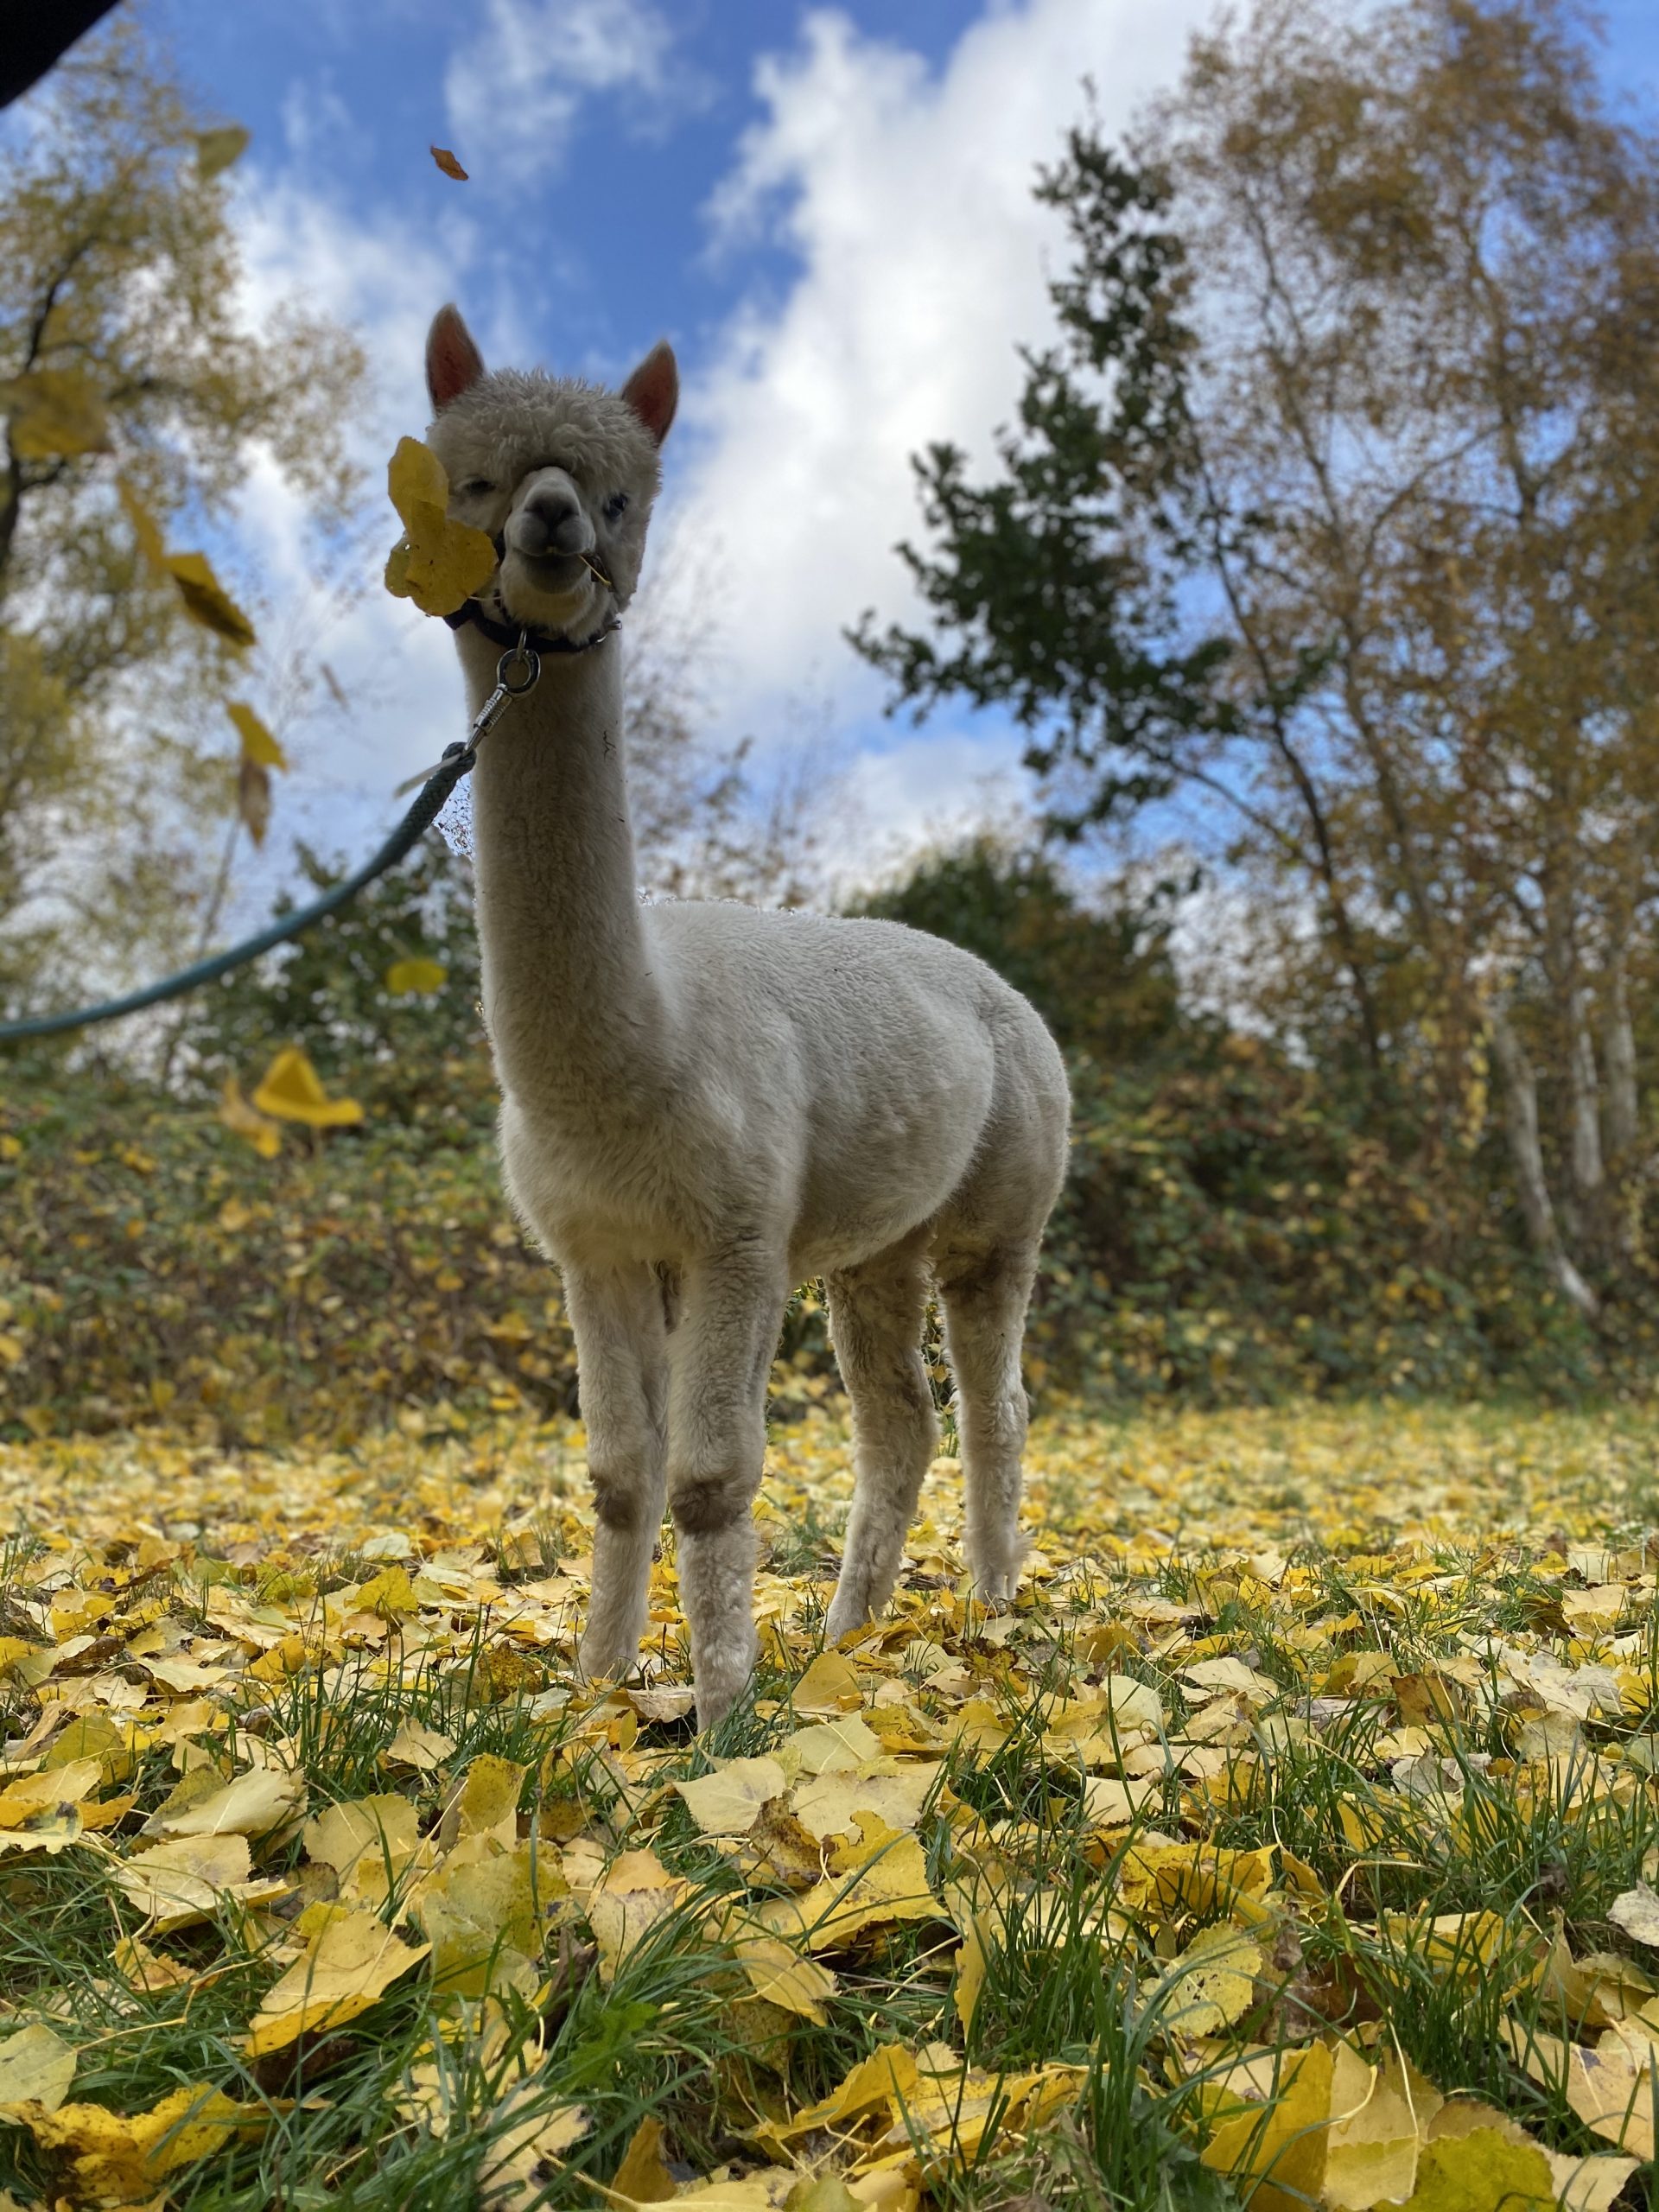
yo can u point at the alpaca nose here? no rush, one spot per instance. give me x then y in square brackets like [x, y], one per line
[550, 523]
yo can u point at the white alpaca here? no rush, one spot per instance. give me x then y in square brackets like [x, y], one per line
[704, 1105]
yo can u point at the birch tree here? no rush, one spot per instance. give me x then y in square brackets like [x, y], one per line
[1412, 624]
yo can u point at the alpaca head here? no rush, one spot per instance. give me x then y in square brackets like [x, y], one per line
[558, 471]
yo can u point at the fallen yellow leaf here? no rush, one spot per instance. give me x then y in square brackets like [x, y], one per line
[36, 2067]
[354, 1961]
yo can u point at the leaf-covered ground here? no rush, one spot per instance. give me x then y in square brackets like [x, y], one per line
[1288, 1841]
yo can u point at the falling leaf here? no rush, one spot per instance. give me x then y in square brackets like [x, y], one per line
[447, 162]
[293, 1092]
[971, 1963]
[885, 2081]
[237, 1114]
[831, 1747]
[442, 562]
[355, 1959]
[147, 531]
[407, 977]
[217, 149]
[36, 2067]
[54, 415]
[777, 1847]
[207, 601]
[1379, 2113]
[1589, 2184]
[253, 799]
[258, 743]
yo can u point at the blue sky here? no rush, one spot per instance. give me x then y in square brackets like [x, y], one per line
[827, 210]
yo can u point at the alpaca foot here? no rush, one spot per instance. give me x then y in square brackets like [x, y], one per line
[993, 1586]
[609, 1657]
[848, 1610]
[722, 1675]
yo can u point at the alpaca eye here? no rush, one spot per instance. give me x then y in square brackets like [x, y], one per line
[614, 506]
[476, 487]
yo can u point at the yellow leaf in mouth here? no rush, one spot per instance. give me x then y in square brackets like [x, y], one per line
[54, 413]
[440, 563]
[293, 1092]
[207, 600]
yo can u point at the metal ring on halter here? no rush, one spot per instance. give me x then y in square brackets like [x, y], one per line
[528, 660]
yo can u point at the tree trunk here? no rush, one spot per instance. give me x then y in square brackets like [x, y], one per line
[1585, 1086]
[1521, 1120]
[1618, 1050]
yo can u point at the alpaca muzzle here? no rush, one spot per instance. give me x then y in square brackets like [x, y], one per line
[550, 525]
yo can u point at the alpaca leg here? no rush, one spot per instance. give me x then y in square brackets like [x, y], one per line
[622, 1374]
[719, 1357]
[875, 1320]
[985, 1296]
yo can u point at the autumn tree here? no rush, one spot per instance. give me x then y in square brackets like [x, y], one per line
[1335, 502]
[136, 400]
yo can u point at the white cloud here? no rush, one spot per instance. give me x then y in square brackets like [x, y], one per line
[383, 276]
[906, 197]
[518, 81]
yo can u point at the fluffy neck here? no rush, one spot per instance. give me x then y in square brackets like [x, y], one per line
[570, 999]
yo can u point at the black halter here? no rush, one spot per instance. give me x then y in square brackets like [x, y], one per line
[502, 633]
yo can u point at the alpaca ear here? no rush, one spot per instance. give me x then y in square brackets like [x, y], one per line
[653, 389]
[452, 362]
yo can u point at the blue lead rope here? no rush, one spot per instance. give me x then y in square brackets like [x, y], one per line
[458, 761]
